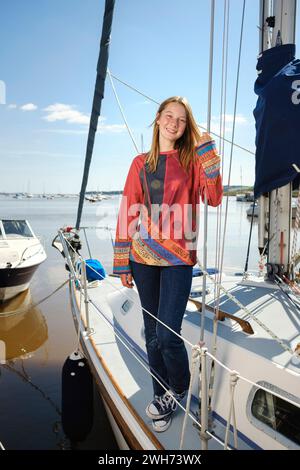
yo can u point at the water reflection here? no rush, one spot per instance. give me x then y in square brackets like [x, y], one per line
[23, 329]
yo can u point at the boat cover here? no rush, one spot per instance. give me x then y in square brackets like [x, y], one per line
[277, 116]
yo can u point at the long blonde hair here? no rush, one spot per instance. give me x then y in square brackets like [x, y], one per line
[186, 143]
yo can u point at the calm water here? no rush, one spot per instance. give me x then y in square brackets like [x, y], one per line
[39, 342]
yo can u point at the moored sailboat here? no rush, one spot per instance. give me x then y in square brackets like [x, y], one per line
[250, 367]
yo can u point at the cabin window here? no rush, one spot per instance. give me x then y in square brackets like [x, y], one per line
[16, 229]
[276, 413]
[126, 306]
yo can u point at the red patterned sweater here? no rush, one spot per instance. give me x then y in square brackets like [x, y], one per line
[158, 219]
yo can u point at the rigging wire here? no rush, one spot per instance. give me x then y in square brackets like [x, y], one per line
[200, 126]
[223, 105]
[122, 111]
[220, 208]
[205, 227]
[219, 277]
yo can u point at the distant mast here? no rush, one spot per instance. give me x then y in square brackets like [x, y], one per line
[277, 20]
[241, 178]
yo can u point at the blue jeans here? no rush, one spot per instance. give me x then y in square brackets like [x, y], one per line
[164, 292]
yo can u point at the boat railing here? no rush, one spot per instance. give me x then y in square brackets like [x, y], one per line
[200, 353]
[22, 259]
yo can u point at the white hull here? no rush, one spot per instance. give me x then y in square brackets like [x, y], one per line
[126, 386]
[122, 444]
[21, 252]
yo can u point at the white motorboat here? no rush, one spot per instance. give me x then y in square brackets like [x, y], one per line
[21, 253]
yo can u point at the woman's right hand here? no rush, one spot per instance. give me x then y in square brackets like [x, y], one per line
[126, 280]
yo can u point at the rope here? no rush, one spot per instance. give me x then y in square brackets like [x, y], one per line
[194, 361]
[233, 382]
[26, 378]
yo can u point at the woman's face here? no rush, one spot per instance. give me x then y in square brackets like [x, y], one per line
[172, 122]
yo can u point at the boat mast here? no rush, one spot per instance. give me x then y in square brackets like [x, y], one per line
[278, 21]
[205, 225]
[97, 101]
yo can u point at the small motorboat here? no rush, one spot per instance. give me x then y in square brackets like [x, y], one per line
[21, 252]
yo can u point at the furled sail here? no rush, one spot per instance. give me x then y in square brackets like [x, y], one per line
[277, 116]
[97, 101]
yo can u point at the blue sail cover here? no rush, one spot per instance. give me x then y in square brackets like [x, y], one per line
[277, 116]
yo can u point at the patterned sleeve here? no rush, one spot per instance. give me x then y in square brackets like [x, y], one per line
[128, 218]
[210, 178]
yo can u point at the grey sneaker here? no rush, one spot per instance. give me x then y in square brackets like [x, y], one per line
[163, 405]
[162, 424]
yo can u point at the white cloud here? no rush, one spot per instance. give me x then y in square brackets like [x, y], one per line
[36, 153]
[239, 118]
[12, 106]
[65, 112]
[215, 122]
[215, 128]
[28, 107]
[114, 128]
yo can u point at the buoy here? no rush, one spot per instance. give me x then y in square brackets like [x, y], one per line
[77, 397]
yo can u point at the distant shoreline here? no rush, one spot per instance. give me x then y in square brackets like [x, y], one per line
[231, 191]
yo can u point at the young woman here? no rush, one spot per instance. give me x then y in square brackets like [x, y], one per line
[156, 241]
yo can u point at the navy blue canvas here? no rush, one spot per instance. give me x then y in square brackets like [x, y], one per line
[277, 116]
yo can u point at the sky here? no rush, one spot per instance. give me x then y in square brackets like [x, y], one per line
[49, 52]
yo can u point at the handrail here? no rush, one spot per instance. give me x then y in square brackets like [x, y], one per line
[31, 256]
[244, 324]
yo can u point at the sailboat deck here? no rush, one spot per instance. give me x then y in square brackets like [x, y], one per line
[116, 334]
[133, 380]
